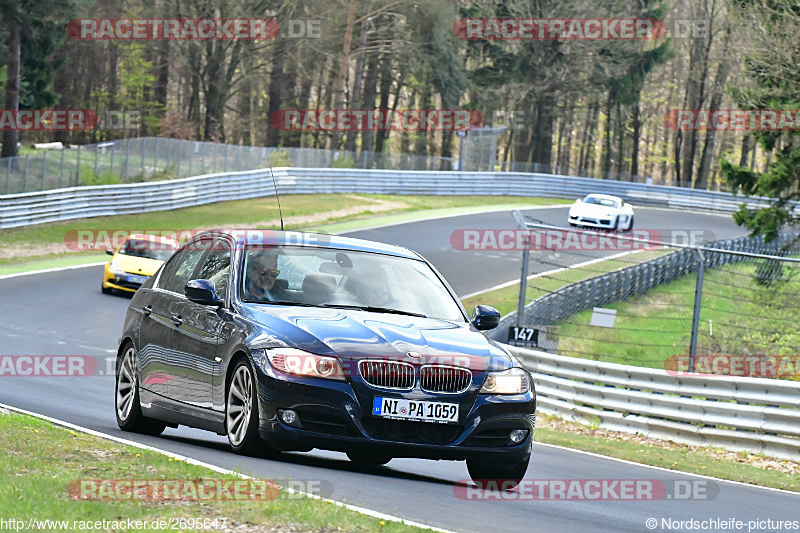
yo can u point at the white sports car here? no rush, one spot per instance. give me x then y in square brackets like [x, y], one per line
[601, 211]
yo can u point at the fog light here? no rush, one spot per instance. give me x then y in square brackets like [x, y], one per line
[288, 417]
[518, 435]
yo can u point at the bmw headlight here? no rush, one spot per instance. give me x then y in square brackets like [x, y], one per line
[300, 363]
[511, 381]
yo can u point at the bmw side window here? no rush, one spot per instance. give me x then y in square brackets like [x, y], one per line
[180, 269]
[216, 268]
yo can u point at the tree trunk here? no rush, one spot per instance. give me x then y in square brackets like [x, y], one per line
[543, 142]
[637, 134]
[607, 146]
[385, 90]
[275, 91]
[341, 80]
[11, 137]
[350, 142]
[370, 92]
[708, 148]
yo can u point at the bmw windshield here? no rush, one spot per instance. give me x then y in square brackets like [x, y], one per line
[323, 277]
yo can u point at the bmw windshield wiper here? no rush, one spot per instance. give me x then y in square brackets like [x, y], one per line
[374, 309]
[340, 306]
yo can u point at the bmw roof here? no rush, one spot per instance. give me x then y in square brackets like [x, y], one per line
[268, 237]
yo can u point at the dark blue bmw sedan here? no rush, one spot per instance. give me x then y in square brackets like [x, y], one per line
[289, 341]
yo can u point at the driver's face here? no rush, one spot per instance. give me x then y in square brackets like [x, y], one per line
[263, 272]
[374, 291]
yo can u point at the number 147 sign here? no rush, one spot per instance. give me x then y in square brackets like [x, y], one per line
[522, 336]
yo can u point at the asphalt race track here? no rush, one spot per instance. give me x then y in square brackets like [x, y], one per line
[64, 313]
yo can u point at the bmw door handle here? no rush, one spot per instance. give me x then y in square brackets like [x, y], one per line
[177, 320]
[147, 309]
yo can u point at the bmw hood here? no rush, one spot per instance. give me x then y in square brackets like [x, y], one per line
[354, 334]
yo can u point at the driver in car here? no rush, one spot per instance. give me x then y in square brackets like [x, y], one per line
[262, 272]
[373, 288]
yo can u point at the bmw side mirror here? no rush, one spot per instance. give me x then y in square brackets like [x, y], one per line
[201, 291]
[485, 317]
[110, 252]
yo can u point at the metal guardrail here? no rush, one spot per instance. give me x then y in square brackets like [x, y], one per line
[101, 200]
[739, 413]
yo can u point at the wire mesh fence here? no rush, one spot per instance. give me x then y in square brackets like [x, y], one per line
[728, 307]
[140, 159]
[152, 158]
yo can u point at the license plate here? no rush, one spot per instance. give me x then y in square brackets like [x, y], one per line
[401, 409]
[136, 279]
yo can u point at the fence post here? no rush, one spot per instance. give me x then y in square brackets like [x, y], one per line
[698, 298]
[523, 280]
[44, 169]
[143, 140]
[25, 179]
[155, 159]
[78, 166]
[8, 175]
[127, 156]
[113, 149]
[61, 169]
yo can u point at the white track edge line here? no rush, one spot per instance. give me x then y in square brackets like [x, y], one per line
[554, 271]
[450, 215]
[54, 269]
[58, 269]
[220, 470]
[661, 468]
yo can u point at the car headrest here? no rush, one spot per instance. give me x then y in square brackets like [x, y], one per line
[281, 284]
[318, 287]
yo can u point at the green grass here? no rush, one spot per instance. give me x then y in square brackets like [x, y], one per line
[42, 463]
[505, 299]
[744, 317]
[40, 460]
[300, 211]
[707, 461]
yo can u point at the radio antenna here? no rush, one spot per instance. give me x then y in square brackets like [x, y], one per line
[280, 212]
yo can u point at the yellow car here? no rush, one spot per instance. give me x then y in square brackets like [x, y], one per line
[138, 258]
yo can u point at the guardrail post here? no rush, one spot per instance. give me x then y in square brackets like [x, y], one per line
[523, 280]
[698, 297]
